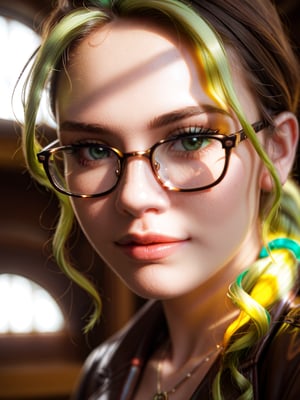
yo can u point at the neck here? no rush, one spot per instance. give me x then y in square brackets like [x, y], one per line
[197, 321]
[197, 324]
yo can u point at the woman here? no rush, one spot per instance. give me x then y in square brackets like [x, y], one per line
[176, 132]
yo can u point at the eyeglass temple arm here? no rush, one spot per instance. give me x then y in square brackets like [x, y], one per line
[257, 126]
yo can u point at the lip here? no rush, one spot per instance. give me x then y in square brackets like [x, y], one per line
[149, 247]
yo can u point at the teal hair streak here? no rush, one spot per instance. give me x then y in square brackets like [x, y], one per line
[102, 4]
[105, 3]
[257, 313]
[244, 283]
[281, 243]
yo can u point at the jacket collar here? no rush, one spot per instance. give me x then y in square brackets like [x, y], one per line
[123, 357]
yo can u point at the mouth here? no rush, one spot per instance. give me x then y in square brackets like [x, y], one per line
[149, 247]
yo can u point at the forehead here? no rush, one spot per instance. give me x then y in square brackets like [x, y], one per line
[124, 43]
[130, 63]
[121, 54]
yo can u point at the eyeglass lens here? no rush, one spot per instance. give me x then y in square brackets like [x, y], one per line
[185, 163]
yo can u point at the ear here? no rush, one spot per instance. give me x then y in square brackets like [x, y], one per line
[281, 146]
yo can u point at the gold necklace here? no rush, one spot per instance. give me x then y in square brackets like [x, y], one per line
[164, 395]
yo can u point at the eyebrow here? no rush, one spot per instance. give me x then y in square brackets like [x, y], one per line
[82, 127]
[157, 122]
[187, 112]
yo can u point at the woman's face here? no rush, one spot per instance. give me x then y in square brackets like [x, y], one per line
[125, 86]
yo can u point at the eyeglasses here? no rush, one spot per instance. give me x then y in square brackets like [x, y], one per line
[183, 163]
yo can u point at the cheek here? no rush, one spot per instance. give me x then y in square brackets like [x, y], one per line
[231, 208]
[92, 216]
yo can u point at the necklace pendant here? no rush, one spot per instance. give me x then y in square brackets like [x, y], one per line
[161, 396]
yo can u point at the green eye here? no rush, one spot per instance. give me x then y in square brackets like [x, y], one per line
[97, 153]
[194, 143]
[191, 143]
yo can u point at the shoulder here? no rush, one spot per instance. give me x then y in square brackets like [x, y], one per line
[112, 359]
[280, 374]
[95, 372]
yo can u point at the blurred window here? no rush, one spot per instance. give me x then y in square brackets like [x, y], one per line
[25, 307]
[17, 44]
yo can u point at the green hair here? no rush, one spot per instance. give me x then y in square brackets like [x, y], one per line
[48, 57]
[66, 28]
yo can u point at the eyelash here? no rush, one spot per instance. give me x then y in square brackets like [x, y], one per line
[188, 130]
[195, 130]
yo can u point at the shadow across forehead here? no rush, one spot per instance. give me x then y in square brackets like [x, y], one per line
[125, 79]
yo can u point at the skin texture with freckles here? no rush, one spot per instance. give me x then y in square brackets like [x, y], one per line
[182, 248]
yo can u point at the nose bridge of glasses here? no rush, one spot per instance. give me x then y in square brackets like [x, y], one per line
[142, 154]
[138, 153]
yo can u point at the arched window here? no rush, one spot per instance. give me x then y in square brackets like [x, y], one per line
[18, 43]
[26, 307]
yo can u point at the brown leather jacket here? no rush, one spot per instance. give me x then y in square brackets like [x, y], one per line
[273, 366]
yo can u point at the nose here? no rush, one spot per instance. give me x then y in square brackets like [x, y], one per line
[138, 191]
